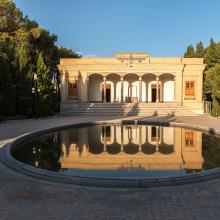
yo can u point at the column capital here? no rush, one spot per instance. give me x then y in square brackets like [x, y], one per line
[104, 78]
[157, 78]
[121, 78]
[140, 78]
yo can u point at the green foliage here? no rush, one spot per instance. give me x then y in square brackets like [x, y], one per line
[25, 49]
[212, 55]
[44, 85]
[200, 50]
[189, 52]
[211, 151]
[7, 90]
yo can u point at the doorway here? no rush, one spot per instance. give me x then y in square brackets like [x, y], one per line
[108, 93]
[154, 93]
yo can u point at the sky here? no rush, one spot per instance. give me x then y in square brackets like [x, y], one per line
[100, 28]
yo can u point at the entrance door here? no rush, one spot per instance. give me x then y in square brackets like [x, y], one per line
[153, 94]
[108, 95]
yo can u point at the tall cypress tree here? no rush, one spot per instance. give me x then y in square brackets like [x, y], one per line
[211, 55]
[200, 50]
[190, 52]
[44, 86]
[7, 90]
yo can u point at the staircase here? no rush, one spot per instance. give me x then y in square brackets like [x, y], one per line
[124, 109]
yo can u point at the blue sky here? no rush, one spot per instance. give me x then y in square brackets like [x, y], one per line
[102, 27]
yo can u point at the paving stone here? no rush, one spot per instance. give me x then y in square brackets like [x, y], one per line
[23, 198]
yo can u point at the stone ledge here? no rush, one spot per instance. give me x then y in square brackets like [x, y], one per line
[51, 177]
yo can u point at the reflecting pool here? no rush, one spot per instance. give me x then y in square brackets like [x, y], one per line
[119, 151]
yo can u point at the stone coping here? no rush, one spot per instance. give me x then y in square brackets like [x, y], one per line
[51, 177]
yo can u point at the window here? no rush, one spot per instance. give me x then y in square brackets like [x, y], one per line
[155, 134]
[189, 139]
[72, 89]
[106, 133]
[190, 88]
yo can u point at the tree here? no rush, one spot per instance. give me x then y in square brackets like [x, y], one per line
[25, 49]
[44, 85]
[7, 90]
[10, 16]
[190, 52]
[200, 50]
[22, 80]
[213, 85]
[212, 55]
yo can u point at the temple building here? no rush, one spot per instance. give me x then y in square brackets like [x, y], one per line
[132, 83]
[143, 147]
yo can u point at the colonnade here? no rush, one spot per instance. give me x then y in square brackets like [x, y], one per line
[158, 138]
[122, 89]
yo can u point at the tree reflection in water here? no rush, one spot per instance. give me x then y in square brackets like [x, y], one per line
[148, 148]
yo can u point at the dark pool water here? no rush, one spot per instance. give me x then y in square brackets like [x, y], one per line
[117, 151]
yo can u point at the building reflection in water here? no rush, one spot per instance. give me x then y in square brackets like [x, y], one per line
[145, 147]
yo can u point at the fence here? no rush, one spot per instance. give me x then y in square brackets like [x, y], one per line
[207, 107]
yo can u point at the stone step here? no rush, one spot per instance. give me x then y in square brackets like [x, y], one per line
[132, 112]
[145, 109]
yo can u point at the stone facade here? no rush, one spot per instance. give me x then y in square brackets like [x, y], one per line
[134, 78]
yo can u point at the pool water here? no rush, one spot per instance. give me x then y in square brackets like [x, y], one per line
[121, 151]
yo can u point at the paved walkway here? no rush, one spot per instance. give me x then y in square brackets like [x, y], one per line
[22, 197]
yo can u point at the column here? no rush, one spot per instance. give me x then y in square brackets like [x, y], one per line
[157, 138]
[129, 89]
[140, 88]
[104, 80]
[122, 138]
[77, 86]
[174, 89]
[122, 89]
[157, 97]
[115, 86]
[87, 88]
[114, 133]
[104, 138]
[140, 138]
[63, 87]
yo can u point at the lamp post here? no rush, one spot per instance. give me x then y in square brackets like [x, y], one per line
[35, 92]
[55, 91]
[36, 152]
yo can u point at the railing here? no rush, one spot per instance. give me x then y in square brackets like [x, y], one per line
[207, 107]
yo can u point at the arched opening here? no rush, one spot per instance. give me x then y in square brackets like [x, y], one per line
[131, 88]
[112, 80]
[150, 89]
[95, 90]
[148, 148]
[166, 149]
[96, 148]
[113, 148]
[131, 148]
[167, 82]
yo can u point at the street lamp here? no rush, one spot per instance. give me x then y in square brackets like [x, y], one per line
[36, 152]
[55, 91]
[35, 92]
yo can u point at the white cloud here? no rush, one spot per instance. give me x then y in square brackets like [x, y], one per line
[85, 55]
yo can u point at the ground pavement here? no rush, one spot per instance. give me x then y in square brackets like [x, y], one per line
[22, 197]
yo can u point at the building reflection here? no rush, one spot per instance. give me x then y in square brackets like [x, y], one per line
[145, 147]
